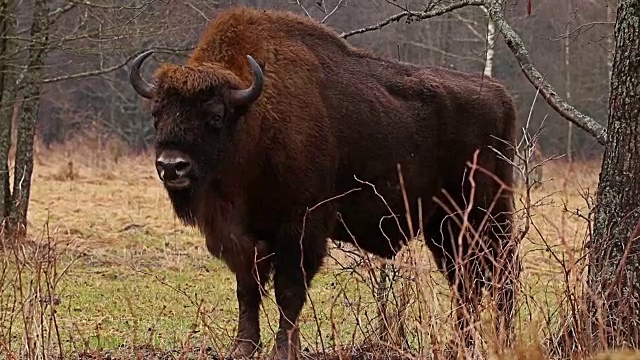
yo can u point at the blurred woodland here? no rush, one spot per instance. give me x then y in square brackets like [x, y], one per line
[86, 93]
[64, 78]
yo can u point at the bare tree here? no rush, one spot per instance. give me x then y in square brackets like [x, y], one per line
[614, 259]
[26, 127]
[80, 43]
[7, 97]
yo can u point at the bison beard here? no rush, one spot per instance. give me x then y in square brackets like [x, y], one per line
[325, 119]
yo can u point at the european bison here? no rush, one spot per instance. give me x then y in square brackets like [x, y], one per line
[272, 137]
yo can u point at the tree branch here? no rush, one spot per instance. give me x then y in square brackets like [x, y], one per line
[521, 54]
[54, 15]
[433, 11]
[517, 47]
[106, 70]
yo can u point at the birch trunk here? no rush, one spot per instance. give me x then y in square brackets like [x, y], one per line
[567, 74]
[491, 42]
[611, 17]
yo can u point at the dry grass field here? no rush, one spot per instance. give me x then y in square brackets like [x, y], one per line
[126, 274]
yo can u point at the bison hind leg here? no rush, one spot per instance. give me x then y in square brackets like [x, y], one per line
[505, 270]
[441, 235]
[467, 263]
[485, 259]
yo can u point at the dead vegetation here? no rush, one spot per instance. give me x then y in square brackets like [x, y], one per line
[110, 273]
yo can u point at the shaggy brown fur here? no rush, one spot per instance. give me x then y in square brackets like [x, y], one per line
[331, 119]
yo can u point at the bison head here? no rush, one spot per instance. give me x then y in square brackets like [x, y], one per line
[195, 110]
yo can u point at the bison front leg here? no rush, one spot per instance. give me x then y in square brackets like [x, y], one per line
[250, 289]
[249, 293]
[297, 262]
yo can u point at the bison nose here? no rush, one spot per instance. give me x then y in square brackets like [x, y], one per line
[172, 169]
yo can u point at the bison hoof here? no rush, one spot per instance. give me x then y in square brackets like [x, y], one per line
[243, 349]
[284, 353]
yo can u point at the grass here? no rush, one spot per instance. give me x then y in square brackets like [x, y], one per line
[136, 276]
[137, 273]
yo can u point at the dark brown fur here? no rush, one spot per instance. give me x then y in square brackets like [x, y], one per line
[330, 113]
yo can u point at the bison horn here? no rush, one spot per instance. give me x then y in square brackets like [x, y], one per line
[247, 96]
[142, 87]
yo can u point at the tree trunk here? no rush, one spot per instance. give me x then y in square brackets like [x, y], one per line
[26, 126]
[567, 77]
[614, 262]
[611, 6]
[491, 43]
[7, 100]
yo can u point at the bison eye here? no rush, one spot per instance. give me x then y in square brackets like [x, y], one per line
[215, 120]
[214, 112]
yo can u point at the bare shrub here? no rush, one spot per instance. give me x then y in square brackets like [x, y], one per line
[30, 273]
